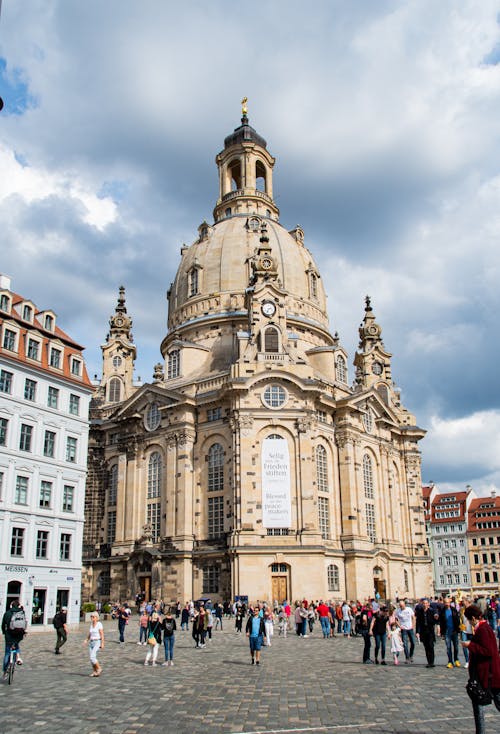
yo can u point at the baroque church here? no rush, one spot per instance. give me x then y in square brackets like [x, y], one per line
[251, 465]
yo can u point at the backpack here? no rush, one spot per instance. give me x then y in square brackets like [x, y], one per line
[57, 621]
[17, 620]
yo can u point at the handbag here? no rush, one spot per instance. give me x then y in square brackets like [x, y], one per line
[477, 694]
[153, 641]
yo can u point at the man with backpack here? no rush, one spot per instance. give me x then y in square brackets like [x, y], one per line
[13, 628]
[61, 628]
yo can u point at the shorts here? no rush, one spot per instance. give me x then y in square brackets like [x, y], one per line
[255, 643]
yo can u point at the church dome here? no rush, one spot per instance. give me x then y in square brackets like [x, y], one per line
[218, 267]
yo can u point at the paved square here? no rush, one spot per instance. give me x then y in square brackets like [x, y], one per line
[303, 685]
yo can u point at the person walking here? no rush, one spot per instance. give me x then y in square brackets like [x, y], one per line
[61, 628]
[426, 620]
[154, 638]
[255, 632]
[268, 624]
[449, 623]
[484, 662]
[396, 642]
[324, 618]
[219, 612]
[143, 628]
[378, 629]
[364, 627]
[405, 617]
[95, 642]
[185, 617]
[122, 617]
[168, 627]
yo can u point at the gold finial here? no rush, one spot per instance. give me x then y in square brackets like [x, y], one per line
[244, 108]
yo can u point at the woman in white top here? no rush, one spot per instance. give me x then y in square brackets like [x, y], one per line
[95, 640]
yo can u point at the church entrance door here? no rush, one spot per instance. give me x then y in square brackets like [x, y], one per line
[279, 588]
[145, 582]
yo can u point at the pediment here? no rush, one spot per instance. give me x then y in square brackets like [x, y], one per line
[147, 394]
[371, 399]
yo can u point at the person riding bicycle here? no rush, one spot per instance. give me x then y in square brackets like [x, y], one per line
[13, 628]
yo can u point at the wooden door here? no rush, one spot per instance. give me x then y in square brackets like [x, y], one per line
[279, 588]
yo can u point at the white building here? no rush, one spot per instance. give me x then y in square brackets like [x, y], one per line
[44, 399]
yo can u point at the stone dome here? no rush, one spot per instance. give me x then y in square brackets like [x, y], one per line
[220, 264]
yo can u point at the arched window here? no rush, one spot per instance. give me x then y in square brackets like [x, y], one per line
[193, 282]
[235, 174]
[173, 367]
[154, 475]
[27, 313]
[4, 302]
[368, 477]
[49, 322]
[333, 578]
[340, 369]
[260, 177]
[104, 583]
[114, 390]
[313, 284]
[227, 212]
[271, 340]
[113, 485]
[321, 469]
[216, 468]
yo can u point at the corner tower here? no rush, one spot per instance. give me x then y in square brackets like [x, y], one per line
[118, 355]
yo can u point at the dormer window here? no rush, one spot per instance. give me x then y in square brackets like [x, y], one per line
[173, 365]
[340, 369]
[55, 358]
[76, 367]
[49, 322]
[227, 212]
[27, 313]
[4, 303]
[193, 282]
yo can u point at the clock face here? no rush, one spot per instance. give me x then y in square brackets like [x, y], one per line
[119, 321]
[266, 263]
[268, 308]
[377, 368]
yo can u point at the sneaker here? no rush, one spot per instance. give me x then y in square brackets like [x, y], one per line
[171, 663]
[164, 665]
[153, 665]
[253, 661]
[430, 665]
[457, 663]
[411, 660]
[257, 662]
[146, 663]
[466, 665]
[450, 665]
[305, 635]
[383, 662]
[139, 643]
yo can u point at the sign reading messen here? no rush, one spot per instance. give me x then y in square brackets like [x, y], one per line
[276, 503]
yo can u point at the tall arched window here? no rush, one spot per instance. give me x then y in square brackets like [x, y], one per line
[313, 284]
[154, 475]
[271, 340]
[260, 177]
[113, 486]
[368, 477]
[114, 390]
[340, 369]
[333, 578]
[173, 366]
[321, 469]
[235, 174]
[215, 468]
[193, 281]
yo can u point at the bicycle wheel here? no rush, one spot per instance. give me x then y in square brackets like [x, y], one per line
[11, 669]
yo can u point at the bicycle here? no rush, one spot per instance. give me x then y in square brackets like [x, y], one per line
[11, 667]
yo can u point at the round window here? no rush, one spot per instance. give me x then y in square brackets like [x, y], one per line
[275, 396]
[153, 418]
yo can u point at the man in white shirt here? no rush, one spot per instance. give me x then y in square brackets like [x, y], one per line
[405, 618]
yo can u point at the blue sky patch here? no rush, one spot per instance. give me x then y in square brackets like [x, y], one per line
[14, 91]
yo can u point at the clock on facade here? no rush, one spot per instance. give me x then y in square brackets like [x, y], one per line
[377, 368]
[266, 263]
[268, 308]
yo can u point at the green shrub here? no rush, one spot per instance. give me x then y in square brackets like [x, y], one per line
[88, 607]
[106, 608]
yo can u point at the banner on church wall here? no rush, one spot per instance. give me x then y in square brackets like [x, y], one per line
[276, 501]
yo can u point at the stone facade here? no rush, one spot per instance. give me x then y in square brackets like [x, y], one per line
[250, 465]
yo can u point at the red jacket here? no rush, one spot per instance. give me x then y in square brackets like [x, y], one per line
[485, 658]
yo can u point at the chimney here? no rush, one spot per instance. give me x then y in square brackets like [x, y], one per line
[493, 494]
[5, 282]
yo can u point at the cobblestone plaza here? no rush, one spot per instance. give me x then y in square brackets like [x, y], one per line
[302, 685]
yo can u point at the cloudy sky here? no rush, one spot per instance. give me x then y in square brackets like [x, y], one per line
[383, 117]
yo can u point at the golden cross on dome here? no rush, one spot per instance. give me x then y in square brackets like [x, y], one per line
[244, 108]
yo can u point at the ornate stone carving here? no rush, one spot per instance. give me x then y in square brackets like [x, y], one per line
[304, 424]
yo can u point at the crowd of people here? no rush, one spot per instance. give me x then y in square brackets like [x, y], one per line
[472, 625]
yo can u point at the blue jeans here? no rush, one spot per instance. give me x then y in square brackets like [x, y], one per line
[143, 634]
[339, 626]
[121, 629]
[304, 627]
[347, 626]
[465, 637]
[451, 638]
[168, 642]
[408, 635]
[8, 647]
[380, 645]
[325, 626]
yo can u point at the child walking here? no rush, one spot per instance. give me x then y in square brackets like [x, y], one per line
[396, 642]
